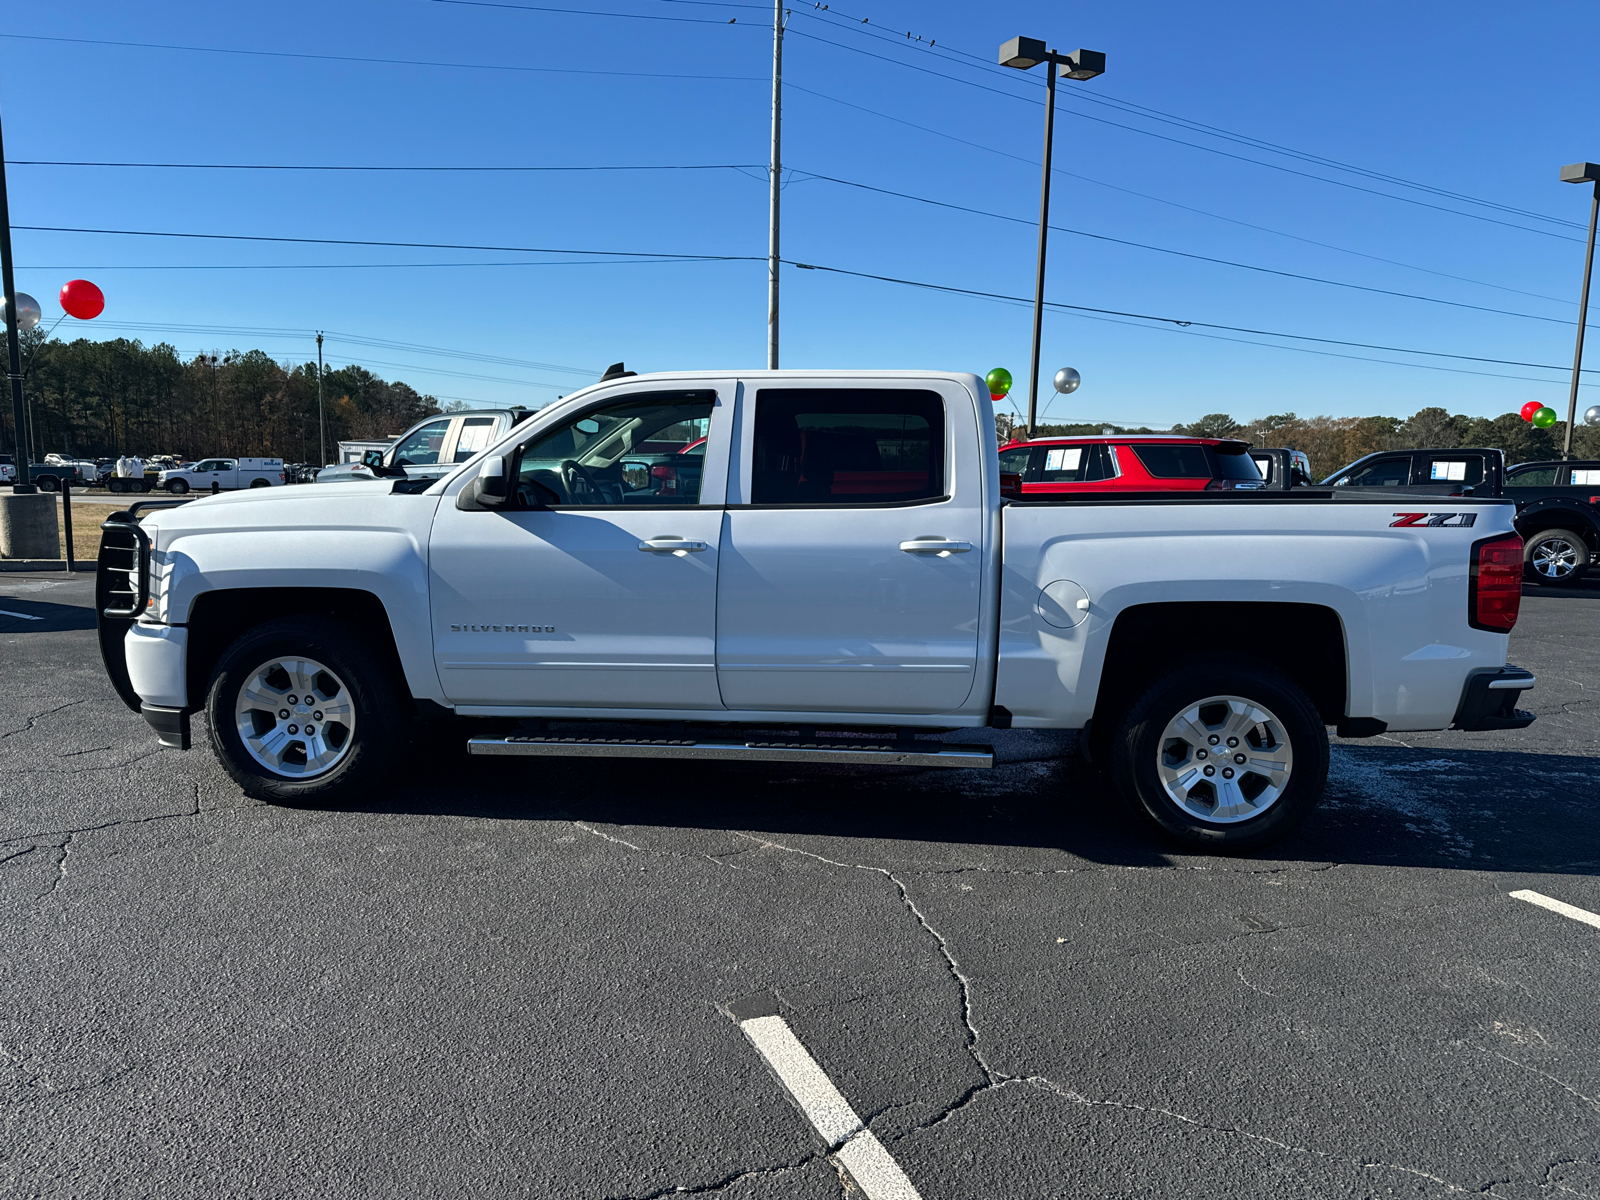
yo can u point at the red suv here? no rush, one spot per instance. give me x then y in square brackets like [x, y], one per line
[1130, 463]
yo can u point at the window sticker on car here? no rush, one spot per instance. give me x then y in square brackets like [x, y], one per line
[1452, 471]
[1437, 520]
[1585, 478]
[1063, 459]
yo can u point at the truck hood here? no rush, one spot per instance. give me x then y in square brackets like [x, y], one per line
[362, 504]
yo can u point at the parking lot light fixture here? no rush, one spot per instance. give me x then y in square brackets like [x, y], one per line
[1023, 54]
[1584, 172]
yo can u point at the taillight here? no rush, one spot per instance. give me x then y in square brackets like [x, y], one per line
[1495, 592]
[668, 475]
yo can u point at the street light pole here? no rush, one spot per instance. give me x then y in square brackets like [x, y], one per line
[13, 340]
[1581, 173]
[1023, 53]
[322, 417]
[775, 175]
[1044, 233]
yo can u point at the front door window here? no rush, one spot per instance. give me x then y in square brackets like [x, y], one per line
[643, 451]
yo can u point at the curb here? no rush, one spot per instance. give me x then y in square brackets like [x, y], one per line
[37, 564]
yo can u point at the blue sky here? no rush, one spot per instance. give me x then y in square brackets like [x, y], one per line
[1485, 100]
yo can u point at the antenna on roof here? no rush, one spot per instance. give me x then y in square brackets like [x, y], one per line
[616, 371]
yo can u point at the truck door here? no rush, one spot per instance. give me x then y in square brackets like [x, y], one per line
[852, 564]
[595, 589]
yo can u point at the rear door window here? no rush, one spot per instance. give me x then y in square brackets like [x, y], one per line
[830, 446]
[1178, 462]
[474, 436]
[1585, 477]
[1447, 468]
[1078, 464]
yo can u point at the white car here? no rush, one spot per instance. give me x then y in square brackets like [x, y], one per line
[225, 474]
[839, 559]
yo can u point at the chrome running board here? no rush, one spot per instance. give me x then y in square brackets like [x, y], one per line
[881, 754]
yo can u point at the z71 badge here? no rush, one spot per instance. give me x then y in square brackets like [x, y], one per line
[1434, 520]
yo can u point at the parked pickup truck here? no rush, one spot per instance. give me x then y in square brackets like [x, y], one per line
[838, 577]
[226, 474]
[430, 449]
[1558, 503]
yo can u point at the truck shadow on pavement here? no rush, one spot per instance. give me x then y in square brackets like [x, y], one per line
[19, 615]
[1477, 809]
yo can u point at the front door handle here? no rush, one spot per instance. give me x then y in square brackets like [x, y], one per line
[935, 546]
[674, 545]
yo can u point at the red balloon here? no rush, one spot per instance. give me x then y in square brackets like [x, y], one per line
[1531, 407]
[82, 299]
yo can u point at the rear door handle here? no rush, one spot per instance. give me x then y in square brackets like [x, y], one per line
[935, 546]
[673, 545]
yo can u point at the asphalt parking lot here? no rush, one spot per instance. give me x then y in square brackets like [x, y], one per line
[552, 978]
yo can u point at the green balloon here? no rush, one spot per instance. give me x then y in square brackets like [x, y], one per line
[1545, 417]
[999, 381]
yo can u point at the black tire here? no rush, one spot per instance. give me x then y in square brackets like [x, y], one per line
[372, 688]
[177, 486]
[1141, 750]
[255, 483]
[49, 483]
[1555, 557]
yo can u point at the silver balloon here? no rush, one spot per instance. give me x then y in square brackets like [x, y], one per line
[1067, 381]
[28, 311]
[1591, 415]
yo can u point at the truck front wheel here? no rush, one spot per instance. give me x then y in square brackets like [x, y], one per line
[1222, 754]
[302, 711]
[177, 486]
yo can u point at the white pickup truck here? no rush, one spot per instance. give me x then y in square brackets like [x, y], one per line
[225, 474]
[818, 566]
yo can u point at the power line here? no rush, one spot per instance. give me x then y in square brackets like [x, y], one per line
[748, 166]
[1180, 322]
[1103, 237]
[590, 12]
[1176, 141]
[246, 237]
[391, 62]
[190, 166]
[989, 66]
[344, 337]
[559, 262]
[807, 266]
[1162, 200]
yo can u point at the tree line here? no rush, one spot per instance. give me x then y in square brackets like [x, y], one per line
[97, 399]
[1332, 442]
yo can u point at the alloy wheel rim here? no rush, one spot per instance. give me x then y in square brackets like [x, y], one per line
[295, 718]
[1225, 759]
[1555, 559]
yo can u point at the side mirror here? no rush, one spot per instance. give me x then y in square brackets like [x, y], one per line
[372, 458]
[488, 490]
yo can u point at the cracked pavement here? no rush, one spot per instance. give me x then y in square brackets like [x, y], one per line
[503, 978]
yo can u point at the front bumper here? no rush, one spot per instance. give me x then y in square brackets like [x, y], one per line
[1489, 700]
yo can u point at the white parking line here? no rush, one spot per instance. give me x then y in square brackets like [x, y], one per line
[6, 612]
[1559, 906]
[872, 1167]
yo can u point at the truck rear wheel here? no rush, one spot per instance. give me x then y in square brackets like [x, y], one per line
[302, 711]
[1222, 754]
[1556, 557]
